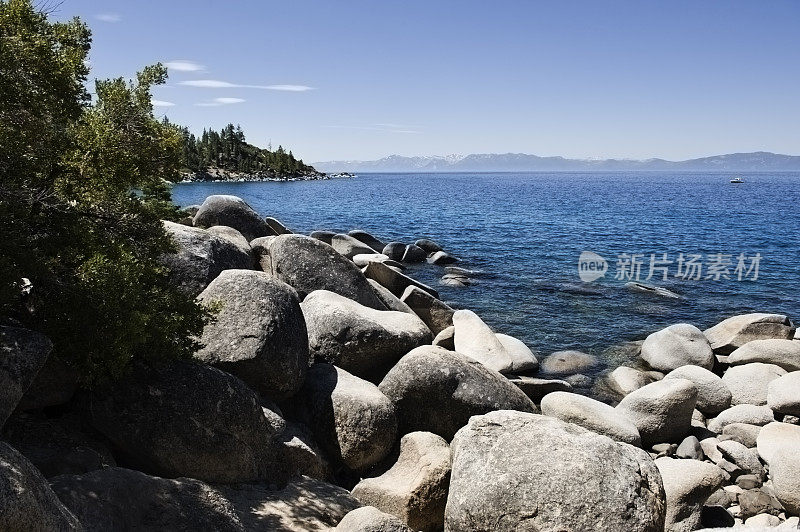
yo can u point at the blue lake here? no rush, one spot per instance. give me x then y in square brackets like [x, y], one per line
[525, 232]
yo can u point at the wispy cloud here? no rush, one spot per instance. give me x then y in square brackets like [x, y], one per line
[162, 103]
[377, 127]
[108, 17]
[217, 84]
[182, 65]
[216, 102]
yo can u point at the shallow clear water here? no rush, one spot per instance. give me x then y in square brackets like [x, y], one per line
[524, 232]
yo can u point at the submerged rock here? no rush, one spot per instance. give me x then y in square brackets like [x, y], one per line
[652, 290]
[394, 250]
[734, 332]
[520, 471]
[436, 390]
[441, 258]
[233, 212]
[359, 339]
[568, 362]
[349, 246]
[259, 333]
[395, 281]
[428, 245]
[367, 239]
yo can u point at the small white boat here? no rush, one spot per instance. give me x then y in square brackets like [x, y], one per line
[737, 180]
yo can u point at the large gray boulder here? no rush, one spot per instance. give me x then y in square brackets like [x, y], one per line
[391, 301]
[122, 499]
[785, 472]
[186, 419]
[22, 355]
[26, 501]
[687, 484]
[54, 385]
[750, 414]
[201, 257]
[736, 331]
[522, 358]
[437, 390]
[476, 340]
[713, 396]
[783, 394]
[414, 253]
[592, 415]
[307, 264]
[370, 519]
[234, 237]
[233, 212]
[662, 411]
[749, 383]
[776, 437]
[349, 246]
[568, 362]
[324, 236]
[676, 346]
[436, 314]
[783, 353]
[415, 488]
[428, 245]
[353, 422]
[277, 226]
[520, 471]
[395, 281]
[394, 250]
[364, 341]
[367, 239]
[259, 333]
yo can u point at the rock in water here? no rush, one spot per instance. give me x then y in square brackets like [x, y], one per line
[783, 394]
[440, 258]
[624, 380]
[476, 340]
[352, 420]
[367, 239]
[437, 390]
[592, 415]
[307, 264]
[277, 227]
[687, 484]
[783, 353]
[428, 245]
[233, 212]
[414, 253]
[349, 246]
[522, 358]
[536, 388]
[713, 396]
[415, 488]
[395, 281]
[26, 500]
[436, 314]
[22, 355]
[749, 383]
[190, 420]
[259, 334]
[362, 259]
[734, 332]
[394, 250]
[121, 499]
[519, 471]
[568, 362]
[370, 519]
[201, 257]
[324, 236]
[361, 340]
[662, 411]
[676, 346]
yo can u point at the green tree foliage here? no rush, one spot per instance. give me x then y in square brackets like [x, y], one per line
[228, 150]
[82, 194]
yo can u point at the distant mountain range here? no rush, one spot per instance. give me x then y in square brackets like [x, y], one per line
[520, 162]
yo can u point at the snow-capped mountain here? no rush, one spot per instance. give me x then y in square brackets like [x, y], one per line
[521, 162]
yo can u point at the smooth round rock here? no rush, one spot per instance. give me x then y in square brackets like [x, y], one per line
[428, 245]
[624, 379]
[677, 345]
[775, 437]
[476, 340]
[349, 246]
[568, 362]
[783, 394]
[520, 471]
[414, 253]
[783, 353]
[662, 411]
[749, 383]
[367, 239]
[590, 414]
[394, 250]
[736, 331]
[750, 414]
[370, 519]
[784, 468]
[687, 484]
[231, 211]
[713, 396]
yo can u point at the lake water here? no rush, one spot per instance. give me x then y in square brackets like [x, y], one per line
[525, 232]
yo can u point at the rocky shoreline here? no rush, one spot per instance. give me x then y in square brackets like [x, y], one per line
[333, 391]
[221, 175]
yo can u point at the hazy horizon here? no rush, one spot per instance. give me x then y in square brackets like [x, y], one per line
[359, 80]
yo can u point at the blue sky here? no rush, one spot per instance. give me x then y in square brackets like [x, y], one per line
[369, 78]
